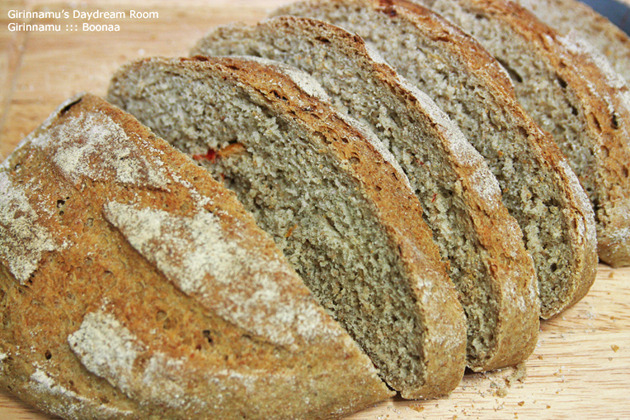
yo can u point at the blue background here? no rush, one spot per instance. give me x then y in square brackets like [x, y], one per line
[618, 13]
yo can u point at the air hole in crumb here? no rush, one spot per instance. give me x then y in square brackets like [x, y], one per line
[554, 267]
[322, 39]
[61, 204]
[615, 122]
[562, 82]
[207, 336]
[48, 355]
[624, 171]
[605, 151]
[354, 160]
[574, 110]
[513, 73]
[277, 95]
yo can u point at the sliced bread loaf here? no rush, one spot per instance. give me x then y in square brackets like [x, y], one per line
[567, 16]
[333, 199]
[573, 95]
[461, 201]
[133, 285]
[538, 187]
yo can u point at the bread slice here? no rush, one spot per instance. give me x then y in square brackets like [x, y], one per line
[461, 201]
[538, 187]
[567, 16]
[333, 199]
[573, 95]
[133, 285]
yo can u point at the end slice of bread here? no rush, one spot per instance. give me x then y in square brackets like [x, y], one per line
[133, 285]
[538, 187]
[461, 200]
[332, 197]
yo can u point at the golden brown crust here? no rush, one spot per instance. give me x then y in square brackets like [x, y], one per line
[100, 327]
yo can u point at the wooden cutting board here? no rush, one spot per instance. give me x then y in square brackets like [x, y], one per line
[581, 367]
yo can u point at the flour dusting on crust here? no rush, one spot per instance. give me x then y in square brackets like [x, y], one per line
[241, 286]
[162, 379]
[72, 405]
[106, 348]
[581, 47]
[95, 146]
[586, 227]
[378, 144]
[483, 182]
[22, 239]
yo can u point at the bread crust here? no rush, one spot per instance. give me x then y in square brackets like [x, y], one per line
[604, 99]
[510, 273]
[110, 321]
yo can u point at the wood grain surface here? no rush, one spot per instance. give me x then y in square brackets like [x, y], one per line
[581, 366]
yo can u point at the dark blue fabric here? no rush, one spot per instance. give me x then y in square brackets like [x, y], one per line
[617, 12]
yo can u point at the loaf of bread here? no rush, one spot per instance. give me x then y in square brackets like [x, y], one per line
[566, 16]
[572, 94]
[538, 187]
[460, 198]
[333, 198]
[282, 266]
[132, 285]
